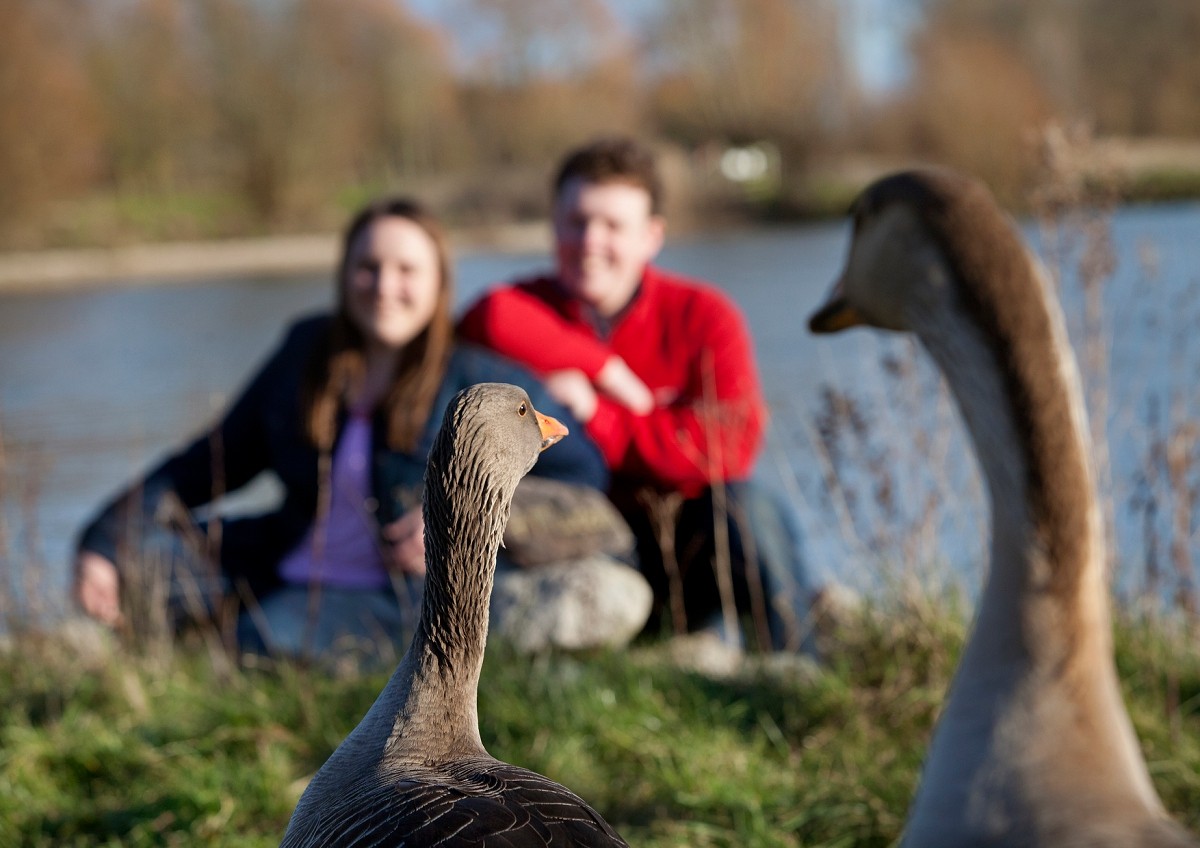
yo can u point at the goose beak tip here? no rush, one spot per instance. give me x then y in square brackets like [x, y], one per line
[835, 316]
[553, 430]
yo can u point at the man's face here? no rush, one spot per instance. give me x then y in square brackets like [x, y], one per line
[605, 236]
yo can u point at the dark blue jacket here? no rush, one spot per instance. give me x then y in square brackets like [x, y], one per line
[263, 431]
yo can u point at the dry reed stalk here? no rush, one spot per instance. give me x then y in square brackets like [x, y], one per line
[884, 468]
[713, 462]
[662, 510]
[838, 500]
[1144, 501]
[719, 417]
[315, 587]
[7, 557]
[1075, 217]
[1181, 458]
[1165, 495]
[30, 609]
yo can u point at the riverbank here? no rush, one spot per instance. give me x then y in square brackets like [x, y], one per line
[50, 270]
[1138, 171]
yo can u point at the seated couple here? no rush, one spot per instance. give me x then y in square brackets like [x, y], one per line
[653, 373]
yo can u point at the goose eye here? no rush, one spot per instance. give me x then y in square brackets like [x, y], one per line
[522, 409]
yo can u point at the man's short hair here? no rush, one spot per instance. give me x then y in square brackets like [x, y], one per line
[613, 159]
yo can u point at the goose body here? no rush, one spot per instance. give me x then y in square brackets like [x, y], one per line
[1034, 746]
[414, 772]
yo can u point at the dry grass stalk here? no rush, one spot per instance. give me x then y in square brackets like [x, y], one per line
[891, 493]
[713, 462]
[662, 509]
[887, 472]
[1181, 458]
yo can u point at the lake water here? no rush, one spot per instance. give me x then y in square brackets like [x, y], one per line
[96, 384]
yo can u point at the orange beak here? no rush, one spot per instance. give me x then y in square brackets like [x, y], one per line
[835, 316]
[552, 429]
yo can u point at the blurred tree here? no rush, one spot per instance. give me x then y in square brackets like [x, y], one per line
[974, 105]
[415, 114]
[542, 75]
[512, 42]
[374, 93]
[1125, 66]
[744, 70]
[314, 96]
[1142, 65]
[285, 107]
[156, 118]
[253, 100]
[48, 122]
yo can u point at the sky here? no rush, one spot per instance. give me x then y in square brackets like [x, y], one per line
[874, 38]
[876, 41]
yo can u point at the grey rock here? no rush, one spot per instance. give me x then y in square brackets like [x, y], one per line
[552, 521]
[595, 602]
[706, 653]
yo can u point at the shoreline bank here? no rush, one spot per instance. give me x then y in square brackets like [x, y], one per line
[42, 271]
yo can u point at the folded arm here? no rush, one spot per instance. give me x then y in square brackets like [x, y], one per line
[712, 431]
[524, 327]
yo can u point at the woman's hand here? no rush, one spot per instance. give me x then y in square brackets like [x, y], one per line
[405, 543]
[97, 587]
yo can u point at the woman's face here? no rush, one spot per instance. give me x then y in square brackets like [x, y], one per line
[392, 282]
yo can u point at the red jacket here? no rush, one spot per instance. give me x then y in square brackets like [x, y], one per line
[684, 339]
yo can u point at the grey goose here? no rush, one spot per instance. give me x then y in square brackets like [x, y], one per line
[414, 772]
[1034, 746]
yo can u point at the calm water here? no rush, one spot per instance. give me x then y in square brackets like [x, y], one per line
[97, 384]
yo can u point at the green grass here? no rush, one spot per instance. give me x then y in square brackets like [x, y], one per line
[1156, 185]
[129, 751]
[109, 219]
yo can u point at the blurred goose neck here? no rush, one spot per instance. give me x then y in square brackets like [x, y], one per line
[1006, 356]
[434, 694]
[465, 515]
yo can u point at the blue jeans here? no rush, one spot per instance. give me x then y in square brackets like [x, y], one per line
[168, 577]
[302, 621]
[753, 558]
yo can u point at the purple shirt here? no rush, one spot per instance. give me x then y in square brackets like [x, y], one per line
[343, 549]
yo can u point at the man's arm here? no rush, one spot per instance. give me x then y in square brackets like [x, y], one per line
[522, 326]
[713, 430]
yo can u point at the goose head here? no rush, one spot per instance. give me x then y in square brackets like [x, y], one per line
[897, 267]
[495, 427]
[490, 437]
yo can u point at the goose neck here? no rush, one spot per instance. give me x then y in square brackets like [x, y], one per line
[464, 525]
[1021, 401]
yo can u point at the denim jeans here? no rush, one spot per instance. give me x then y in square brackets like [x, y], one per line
[170, 584]
[751, 563]
[320, 621]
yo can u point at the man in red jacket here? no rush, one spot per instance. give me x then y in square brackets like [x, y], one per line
[661, 370]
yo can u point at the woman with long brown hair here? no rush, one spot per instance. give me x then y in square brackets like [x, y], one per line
[343, 413]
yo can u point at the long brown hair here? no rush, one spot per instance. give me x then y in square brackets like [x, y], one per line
[338, 363]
